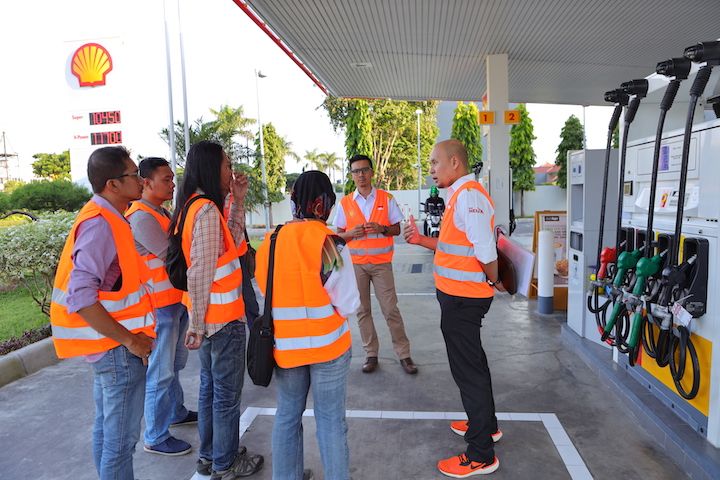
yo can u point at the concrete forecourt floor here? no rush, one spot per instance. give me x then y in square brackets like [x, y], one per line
[559, 419]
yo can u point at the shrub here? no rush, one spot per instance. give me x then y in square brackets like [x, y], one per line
[4, 202]
[50, 195]
[29, 254]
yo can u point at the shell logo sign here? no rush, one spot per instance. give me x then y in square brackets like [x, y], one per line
[90, 64]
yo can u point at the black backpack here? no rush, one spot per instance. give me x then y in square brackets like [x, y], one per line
[175, 262]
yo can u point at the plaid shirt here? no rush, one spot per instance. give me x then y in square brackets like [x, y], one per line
[206, 247]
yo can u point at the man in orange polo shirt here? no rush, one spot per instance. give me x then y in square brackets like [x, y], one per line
[368, 219]
[466, 273]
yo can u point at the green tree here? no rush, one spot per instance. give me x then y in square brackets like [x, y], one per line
[465, 127]
[290, 180]
[277, 148]
[330, 162]
[522, 155]
[616, 137]
[313, 158]
[571, 138]
[391, 129]
[229, 126]
[12, 185]
[52, 166]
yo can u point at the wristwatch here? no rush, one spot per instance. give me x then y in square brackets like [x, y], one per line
[492, 284]
[385, 230]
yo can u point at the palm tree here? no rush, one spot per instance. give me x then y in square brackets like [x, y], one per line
[330, 162]
[315, 159]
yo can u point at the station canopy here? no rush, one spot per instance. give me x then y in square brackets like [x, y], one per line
[559, 51]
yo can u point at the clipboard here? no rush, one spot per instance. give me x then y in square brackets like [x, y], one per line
[523, 262]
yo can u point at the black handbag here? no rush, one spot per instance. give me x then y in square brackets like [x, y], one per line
[175, 262]
[260, 358]
[249, 257]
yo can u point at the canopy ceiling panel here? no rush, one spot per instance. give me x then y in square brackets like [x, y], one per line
[559, 51]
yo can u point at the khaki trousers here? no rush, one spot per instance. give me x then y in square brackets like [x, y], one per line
[381, 276]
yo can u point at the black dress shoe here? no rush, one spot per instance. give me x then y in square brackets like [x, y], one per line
[409, 366]
[371, 363]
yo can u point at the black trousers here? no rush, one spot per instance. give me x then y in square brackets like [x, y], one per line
[461, 319]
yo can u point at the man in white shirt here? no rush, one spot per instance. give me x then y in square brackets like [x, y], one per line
[368, 219]
[466, 274]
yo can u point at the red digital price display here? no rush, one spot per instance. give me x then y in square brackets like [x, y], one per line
[105, 138]
[104, 118]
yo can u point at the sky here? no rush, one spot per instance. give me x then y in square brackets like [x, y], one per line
[223, 48]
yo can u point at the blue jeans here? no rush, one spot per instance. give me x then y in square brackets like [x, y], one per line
[118, 390]
[328, 381]
[222, 367]
[164, 398]
[252, 311]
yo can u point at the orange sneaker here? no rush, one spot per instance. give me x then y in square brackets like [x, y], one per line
[460, 466]
[461, 426]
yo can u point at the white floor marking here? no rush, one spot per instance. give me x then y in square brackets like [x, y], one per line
[568, 453]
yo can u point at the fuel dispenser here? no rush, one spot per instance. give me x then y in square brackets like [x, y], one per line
[586, 226]
[672, 200]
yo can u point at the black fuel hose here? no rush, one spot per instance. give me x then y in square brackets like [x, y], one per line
[682, 347]
[683, 67]
[629, 117]
[622, 99]
[665, 343]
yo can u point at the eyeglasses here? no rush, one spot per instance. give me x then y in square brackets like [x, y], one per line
[133, 174]
[360, 171]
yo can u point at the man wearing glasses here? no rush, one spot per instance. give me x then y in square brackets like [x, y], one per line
[101, 309]
[368, 219]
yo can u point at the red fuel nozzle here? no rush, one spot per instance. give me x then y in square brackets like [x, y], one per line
[608, 255]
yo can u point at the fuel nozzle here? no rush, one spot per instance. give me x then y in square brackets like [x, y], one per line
[675, 67]
[674, 278]
[638, 87]
[708, 52]
[617, 96]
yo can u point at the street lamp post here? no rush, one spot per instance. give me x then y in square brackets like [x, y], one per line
[266, 203]
[418, 112]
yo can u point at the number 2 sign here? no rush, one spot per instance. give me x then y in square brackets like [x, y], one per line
[512, 117]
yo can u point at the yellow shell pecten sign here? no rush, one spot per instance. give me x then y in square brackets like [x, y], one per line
[90, 64]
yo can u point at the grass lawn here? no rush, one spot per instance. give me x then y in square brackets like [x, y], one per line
[18, 313]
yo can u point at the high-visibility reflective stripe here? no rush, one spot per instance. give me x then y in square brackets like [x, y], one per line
[117, 305]
[319, 341]
[459, 250]
[371, 251]
[374, 236]
[89, 333]
[225, 297]
[227, 269]
[161, 286]
[60, 297]
[302, 313]
[154, 263]
[460, 275]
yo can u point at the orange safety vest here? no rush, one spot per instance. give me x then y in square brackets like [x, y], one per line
[308, 329]
[456, 269]
[226, 300]
[373, 248]
[130, 306]
[163, 293]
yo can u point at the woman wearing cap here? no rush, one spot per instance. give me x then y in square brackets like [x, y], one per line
[312, 335]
